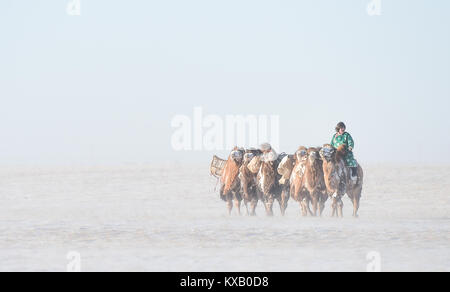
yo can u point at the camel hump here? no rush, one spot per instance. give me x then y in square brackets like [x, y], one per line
[254, 164]
[285, 168]
[341, 151]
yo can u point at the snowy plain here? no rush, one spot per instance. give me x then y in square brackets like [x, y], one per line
[170, 218]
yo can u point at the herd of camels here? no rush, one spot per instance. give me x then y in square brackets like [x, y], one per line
[310, 176]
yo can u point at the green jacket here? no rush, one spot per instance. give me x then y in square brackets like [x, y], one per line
[347, 140]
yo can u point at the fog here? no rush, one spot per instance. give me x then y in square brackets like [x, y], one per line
[103, 87]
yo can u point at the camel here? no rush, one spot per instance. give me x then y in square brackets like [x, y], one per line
[337, 179]
[248, 182]
[230, 189]
[284, 169]
[297, 182]
[335, 176]
[267, 181]
[314, 181]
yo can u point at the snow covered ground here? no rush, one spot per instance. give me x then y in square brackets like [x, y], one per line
[148, 218]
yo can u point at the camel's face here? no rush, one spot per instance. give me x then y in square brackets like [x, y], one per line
[313, 155]
[327, 153]
[301, 154]
[237, 156]
[248, 157]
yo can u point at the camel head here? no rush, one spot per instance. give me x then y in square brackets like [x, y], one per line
[301, 153]
[250, 154]
[313, 155]
[237, 155]
[248, 157]
[327, 153]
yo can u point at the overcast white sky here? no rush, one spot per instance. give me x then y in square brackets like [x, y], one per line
[103, 87]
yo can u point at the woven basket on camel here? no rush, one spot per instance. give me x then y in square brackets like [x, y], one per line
[217, 165]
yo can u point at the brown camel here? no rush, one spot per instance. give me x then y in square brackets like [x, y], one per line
[248, 182]
[335, 175]
[314, 180]
[267, 181]
[230, 189]
[285, 167]
[297, 181]
[338, 181]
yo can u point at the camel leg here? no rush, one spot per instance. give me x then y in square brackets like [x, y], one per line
[303, 206]
[296, 197]
[246, 207]
[283, 202]
[282, 208]
[322, 201]
[265, 206]
[340, 206]
[281, 205]
[229, 205]
[246, 198]
[253, 204]
[307, 208]
[314, 205]
[356, 205]
[286, 197]
[302, 210]
[333, 206]
[237, 204]
[321, 208]
[269, 207]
